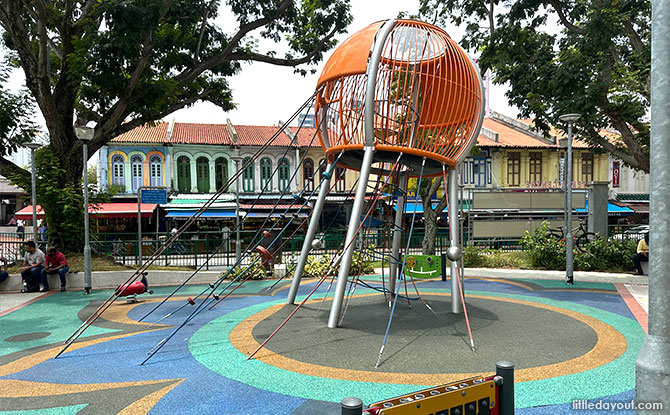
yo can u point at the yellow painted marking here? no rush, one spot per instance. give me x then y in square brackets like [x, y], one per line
[10, 388]
[144, 405]
[610, 345]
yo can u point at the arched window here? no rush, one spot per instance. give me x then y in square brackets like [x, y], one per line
[266, 174]
[307, 174]
[183, 174]
[248, 176]
[156, 170]
[221, 172]
[340, 183]
[202, 171]
[118, 167]
[284, 174]
[136, 168]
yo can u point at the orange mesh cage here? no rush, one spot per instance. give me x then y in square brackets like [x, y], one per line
[428, 99]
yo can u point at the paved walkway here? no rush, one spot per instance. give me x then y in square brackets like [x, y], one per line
[561, 339]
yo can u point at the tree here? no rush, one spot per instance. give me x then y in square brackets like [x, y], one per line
[598, 63]
[428, 188]
[119, 64]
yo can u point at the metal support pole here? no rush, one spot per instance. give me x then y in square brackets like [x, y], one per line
[238, 248]
[569, 259]
[456, 306]
[653, 364]
[351, 406]
[505, 370]
[309, 236]
[33, 185]
[87, 246]
[397, 231]
[352, 231]
[139, 225]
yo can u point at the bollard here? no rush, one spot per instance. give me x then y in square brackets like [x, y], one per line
[505, 369]
[352, 406]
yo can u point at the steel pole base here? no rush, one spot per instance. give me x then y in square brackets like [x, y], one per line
[652, 375]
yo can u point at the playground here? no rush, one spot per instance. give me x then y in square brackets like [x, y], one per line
[294, 344]
[567, 343]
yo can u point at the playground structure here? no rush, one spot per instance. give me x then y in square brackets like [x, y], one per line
[398, 99]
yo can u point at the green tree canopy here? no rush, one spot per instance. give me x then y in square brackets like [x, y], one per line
[120, 64]
[559, 57]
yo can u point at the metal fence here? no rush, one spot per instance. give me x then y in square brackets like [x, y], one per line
[192, 249]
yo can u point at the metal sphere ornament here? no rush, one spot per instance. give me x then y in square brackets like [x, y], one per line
[317, 244]
[454, 253]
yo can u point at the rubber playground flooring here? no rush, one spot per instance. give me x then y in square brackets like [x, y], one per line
[567, 343]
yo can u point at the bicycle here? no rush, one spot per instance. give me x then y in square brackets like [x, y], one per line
[580, 235]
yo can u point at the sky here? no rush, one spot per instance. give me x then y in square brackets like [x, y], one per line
[266, 94]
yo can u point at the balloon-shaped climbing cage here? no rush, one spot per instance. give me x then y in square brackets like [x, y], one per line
[402, 86]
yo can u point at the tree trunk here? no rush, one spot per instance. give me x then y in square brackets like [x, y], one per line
[430, 224]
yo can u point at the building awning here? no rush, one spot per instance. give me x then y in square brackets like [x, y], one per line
[100, 210]
[372, 222]
[276, 215]
[612, 210]
[209, 214]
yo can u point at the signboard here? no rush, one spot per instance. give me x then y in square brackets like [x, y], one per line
[157, 196]
[616, 174]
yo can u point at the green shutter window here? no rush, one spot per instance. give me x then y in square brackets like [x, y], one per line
[284, 175]
[266, 174]
[248, 176]
[183, 174]
[221, 171]
[202, 170]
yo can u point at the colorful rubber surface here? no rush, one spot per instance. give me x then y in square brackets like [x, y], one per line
[567, 344]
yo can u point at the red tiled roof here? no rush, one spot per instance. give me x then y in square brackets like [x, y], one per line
[191, 133]
[509, 137]
[305, 135]
[144, 134]
[258, 135]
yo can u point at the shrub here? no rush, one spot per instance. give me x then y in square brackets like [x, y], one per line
[256, 270]
[316, 266]
[473, 257]
[544, 250]
[602, 255]
[361, 264]
[476, 257]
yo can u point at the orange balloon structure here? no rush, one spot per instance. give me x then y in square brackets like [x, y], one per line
[427, 102]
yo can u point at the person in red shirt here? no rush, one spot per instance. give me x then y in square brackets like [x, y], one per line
[55, 263]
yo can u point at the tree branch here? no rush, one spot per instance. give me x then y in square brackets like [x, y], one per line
[7, 169]
[557, 7]
[636, 42]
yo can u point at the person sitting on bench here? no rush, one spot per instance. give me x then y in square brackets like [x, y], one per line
[55, 263]
[32, 268]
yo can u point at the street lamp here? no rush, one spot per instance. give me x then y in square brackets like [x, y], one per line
[33, 184]
[569, 260]
[85, 134]
[238, 249]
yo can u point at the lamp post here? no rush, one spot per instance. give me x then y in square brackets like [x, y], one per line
[569, 260]
[85, 134]
[33, 184]
[238, 248]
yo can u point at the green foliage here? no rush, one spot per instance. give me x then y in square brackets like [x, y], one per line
[548, 252]
[597, 63]
[16, 126]
[255, 272]
[614, 255]
[361, 264]
[317, 266]
[63, 203]
[544, 250]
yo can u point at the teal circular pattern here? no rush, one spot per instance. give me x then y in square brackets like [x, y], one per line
[211, 348]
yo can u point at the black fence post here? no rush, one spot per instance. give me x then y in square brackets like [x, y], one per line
[444, 266]
[352, 406]
[505, 370]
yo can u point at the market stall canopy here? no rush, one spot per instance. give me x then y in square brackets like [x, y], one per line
[612, 210]
[99, 210]
[208, 214]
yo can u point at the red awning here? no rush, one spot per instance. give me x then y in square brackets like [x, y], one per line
[100, 210]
